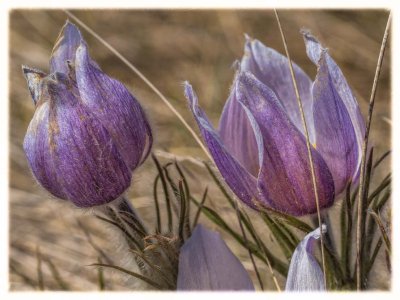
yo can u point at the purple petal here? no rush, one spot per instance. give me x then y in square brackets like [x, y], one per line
[90, 170]
[34, 79]
[285, 178]
[314, 51]
[304, 273]
[65, 48]
[207, 264]
[109, 100]
[272, 69]
[242, 183]
[336, 140]
[237, 135]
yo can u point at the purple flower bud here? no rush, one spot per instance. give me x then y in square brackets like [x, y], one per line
[207, 264]
[88, 132]
[304, 273]
[260, 147]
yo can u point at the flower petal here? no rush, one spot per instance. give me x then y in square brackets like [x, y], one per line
[109, 100]
[304, 273]
[34, 79]
[272, 69]
[242, 183]
[314, 51]
[285, 178]
[336, 140]
[65, 48]
[81, 149]
[237, 135]
[206, 263]
[37, 150]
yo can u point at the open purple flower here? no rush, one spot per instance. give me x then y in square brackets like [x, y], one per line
[88, 132]
[207, 264]
[304, 273]
[260, 147]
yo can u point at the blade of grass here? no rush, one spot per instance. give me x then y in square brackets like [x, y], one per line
[382, 158]
[249, 251]
[141, 76]
[383, 231]
[131, 273]
[100, 277]
[164, 185]
[374, 255]
[314, 181]
[40, 281]
[203, 200]
[188, 230]
[361, 202]
[56, 275]
[182, 213]
[157, 204]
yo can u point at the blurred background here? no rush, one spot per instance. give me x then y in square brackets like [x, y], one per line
[168, 46]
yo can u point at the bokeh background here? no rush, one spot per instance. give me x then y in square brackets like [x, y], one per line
[168, 46]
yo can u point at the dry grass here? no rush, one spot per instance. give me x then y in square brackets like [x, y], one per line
[168, 47]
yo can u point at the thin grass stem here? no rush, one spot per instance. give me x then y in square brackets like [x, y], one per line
[307, 141]
[361, 202]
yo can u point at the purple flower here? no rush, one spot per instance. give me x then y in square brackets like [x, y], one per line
[207, 264]
[260, 147]
[304, 273]
[88, 132]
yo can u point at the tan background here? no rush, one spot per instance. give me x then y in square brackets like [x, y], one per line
[168, 47]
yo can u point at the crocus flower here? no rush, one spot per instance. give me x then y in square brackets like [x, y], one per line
[260, 146]
[304, 273]
[88, 132]
[207, 264]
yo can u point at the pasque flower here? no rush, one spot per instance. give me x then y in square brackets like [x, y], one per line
[88, 132]
[207, 264]
[260, 146]
[304, 273]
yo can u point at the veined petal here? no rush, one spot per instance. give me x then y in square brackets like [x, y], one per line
[314, 51]
[336, 140]
[207, 264]
[34, 79]
[37, 150]
[81, 149]
[65, 48]
[237, 135]
[272, 69]
[109, 100]
[285, 178]
[304, 273]
[242, 183]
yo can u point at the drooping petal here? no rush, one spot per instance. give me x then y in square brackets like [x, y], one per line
[285, 178]
[314, 51]
[109, 100]
[336, 139]
[207, 264]
[237, 135]
[93, 172]
[272, 69]
[65, 48]
[242, 183]
[34, 79]
[304, 273]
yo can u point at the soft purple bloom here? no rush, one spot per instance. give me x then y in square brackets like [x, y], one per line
[207, 264]
[88, 132]
[304, 273]
[260, 147]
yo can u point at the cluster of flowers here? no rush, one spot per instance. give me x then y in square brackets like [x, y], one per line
[89, 133]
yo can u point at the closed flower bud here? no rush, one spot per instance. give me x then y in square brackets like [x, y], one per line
[88, 132]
